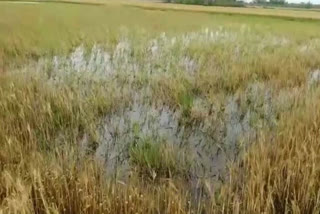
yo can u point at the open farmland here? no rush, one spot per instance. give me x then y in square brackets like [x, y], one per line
[137, 107]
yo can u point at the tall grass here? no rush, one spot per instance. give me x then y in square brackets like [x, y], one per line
[280, 173]
[214, 121]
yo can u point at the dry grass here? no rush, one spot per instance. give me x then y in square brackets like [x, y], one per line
[281, 174]
[218, 120]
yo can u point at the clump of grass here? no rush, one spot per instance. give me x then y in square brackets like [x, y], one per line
[186, 102]
[158, 160]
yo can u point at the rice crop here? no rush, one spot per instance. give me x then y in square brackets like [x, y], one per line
[213, 119]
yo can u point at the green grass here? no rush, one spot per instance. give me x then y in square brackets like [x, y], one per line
[158, 159]
[51, 29]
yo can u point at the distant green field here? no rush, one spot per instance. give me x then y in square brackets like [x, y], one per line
[32, 30]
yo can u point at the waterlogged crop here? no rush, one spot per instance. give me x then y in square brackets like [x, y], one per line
[210, 121]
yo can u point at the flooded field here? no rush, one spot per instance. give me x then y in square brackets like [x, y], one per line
[218, 115]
